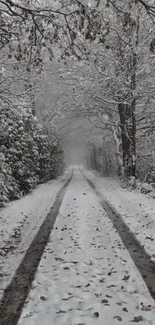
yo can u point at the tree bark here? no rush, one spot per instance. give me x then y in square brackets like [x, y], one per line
[118, 150]
[128, 124]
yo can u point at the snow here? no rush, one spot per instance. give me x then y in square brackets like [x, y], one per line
[86, 275]
[136, 209]
[20, 221]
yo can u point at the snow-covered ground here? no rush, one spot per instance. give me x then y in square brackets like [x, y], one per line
[137, 209]
[20, 221]
[86, 275]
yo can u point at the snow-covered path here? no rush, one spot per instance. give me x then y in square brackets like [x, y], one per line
[86, 275]
[136, 209]
[20, 221]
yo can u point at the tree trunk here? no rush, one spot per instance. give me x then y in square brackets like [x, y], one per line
[118, 150]
[128, 125]
[128, 129]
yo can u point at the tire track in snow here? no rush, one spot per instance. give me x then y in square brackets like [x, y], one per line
[17, 291]
[141, 259]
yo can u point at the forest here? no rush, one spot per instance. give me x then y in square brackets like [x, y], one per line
[76, 75]
[77, 162]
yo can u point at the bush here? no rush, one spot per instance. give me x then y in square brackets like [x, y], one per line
[146, 188]
[28, 154]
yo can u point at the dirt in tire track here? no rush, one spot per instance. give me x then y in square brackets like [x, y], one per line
[17, 291]
[137, 252]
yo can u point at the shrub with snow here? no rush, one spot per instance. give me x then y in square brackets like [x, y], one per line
[28, 154]
[132, 182]
[146, 188]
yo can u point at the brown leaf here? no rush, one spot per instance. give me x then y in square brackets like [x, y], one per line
[96, 314]
[43, 298]
[87, 285]
[66, 268]
[59, 259]
[146, 308]
[74, 262]
[98, 294]
[104, 301]
[126, 277]
[138, 319]
[112, 272]
[120, 303]
[108, 296]
[148, 237]
[125, 309]
[61, 312]
[119, 318]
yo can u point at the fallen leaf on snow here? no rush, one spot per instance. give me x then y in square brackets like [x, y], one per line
[111, 272]
[87, 285]
[134, 291]
[125, 309]
[146, 308]
[66, 268]
[66, 299]
[98, 294]
[120, 303]
[74, 262]
[59, 259]
[126, 277]
[104, 301]
[96, 314]
[148, 237]
[43, 298]
[61, 312]
[138, 319]
[119, 318]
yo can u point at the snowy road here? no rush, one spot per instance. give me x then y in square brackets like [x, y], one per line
[20, 221]
[86, 275]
